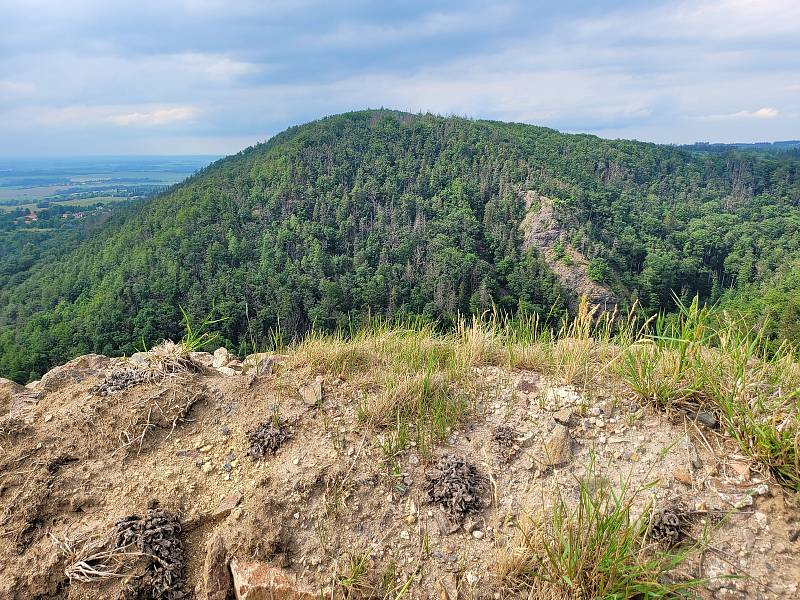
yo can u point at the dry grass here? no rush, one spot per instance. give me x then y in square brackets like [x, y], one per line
[422, 381]
[93, 558]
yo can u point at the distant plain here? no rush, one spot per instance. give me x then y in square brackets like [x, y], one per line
[31, 183]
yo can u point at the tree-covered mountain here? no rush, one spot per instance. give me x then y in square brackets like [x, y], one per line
[386, 213]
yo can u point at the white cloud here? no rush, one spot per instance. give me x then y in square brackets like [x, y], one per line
[80, 116]
[762, 113]
[158, 116]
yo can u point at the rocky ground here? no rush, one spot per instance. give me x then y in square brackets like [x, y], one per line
[206, 477]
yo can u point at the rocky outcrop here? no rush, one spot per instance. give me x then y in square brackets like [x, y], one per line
[542, 231]
[75, 370]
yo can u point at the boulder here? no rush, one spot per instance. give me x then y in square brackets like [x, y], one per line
[75, 370]
[215, 571]
[221, 358]
[261, 581]
[557, 447]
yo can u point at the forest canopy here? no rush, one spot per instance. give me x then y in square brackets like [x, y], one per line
[382, 213]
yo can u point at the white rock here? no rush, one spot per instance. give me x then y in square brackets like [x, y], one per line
[221, 358]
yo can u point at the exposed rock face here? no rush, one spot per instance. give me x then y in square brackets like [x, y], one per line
[75, 370]
[260, 581]
[542, 231]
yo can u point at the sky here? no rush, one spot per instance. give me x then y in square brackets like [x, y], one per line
[94, 77]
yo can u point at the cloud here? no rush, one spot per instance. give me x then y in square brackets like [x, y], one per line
[428, 25]
[78, 117]
[158, 116]
[762, 113]
[104, 79]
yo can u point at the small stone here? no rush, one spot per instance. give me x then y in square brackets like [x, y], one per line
[206, 448]
[557, 447]
[470, 525]
[478, 534]
[707, 418]
[311, 393]
[527, 386]
[595, 411]
[296, 461]
[228, 503]
[404, 535]
[563, 416]
[207, 467]
[683, 476]
[471, 578]
[526, 439]
[761, 519]
[48, 417]
[742, 469]
[447, 587]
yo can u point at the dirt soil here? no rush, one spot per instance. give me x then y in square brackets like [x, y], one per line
[76, 458]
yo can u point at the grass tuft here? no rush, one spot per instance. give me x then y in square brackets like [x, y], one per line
[595, 548]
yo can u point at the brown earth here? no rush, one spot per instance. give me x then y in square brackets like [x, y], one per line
[73, 462]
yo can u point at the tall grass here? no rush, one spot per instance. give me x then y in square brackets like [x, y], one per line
[422, 381]
[710, 360]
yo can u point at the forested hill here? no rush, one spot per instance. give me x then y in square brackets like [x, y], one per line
[387, 213]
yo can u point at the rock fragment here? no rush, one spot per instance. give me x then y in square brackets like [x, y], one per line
[216, 574]
[222, 358]
[311, 393]
[228, 503]
[557, 447]
[261, 581]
